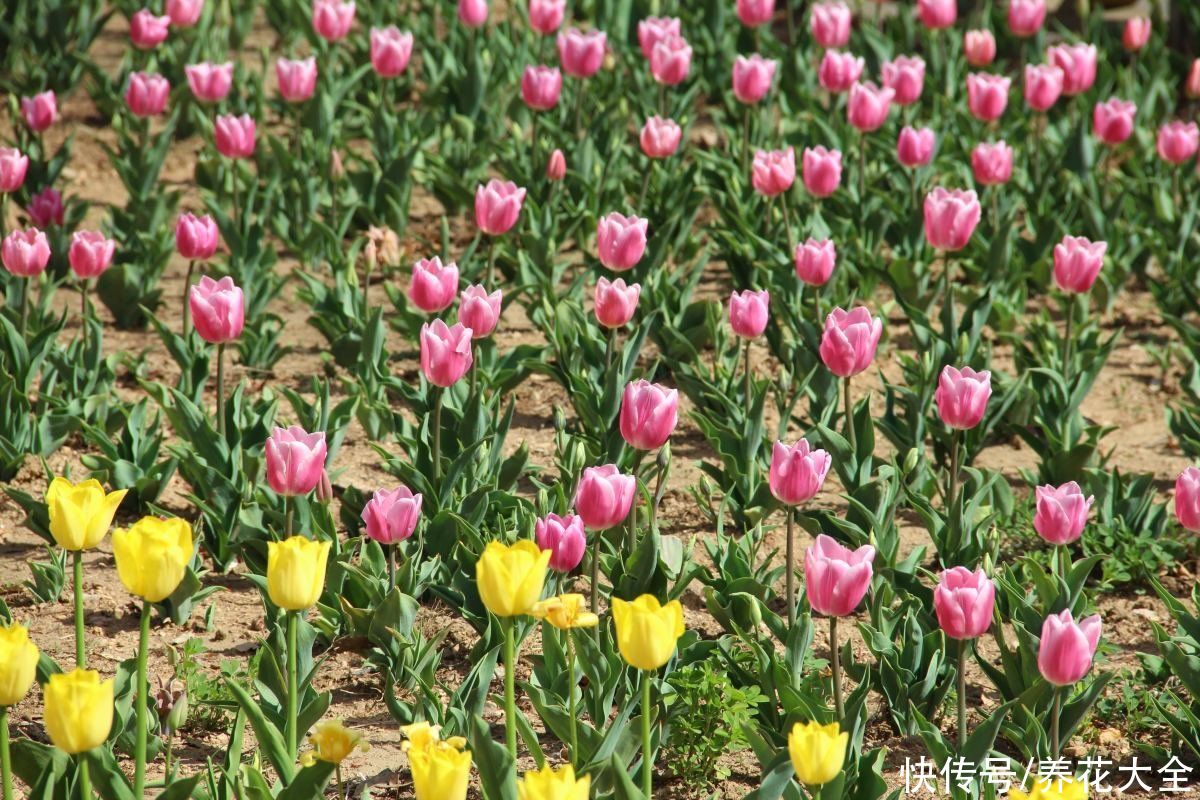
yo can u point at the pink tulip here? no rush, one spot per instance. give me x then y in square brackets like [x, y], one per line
[671, 60]
[950, 218]
[914, 147]
[25, 253]
[184, 13]
[147, 31]
[604, 496]
[391, 516]
[649, 414]
[992, 163]
[1077, 262]
[1187, 499]
[987, 95]
[472, 13]
[90, 253]
[234, 135]
[1043, 85]
[218, 309]
[1177, 141]
[748, 313]
[497, 206]
[937, 14]
[620, 241]
[1025, 17]
[830, 24]
[905, 76]
[445, 352]
[479, 310]
[1112, 121]
[774, 171]
[849, 341]
[540, 87]
[868, 107]
[1078, 63]
[1066, 650]
[146, 95]
[545, 16]
[196, 238]
[295, 460]
[46, 208]
[615, 302]
[332, 19]
[556, 166]
[564, 538]
[1136, 33]
[39, 111]
[1061, 513]
[979, 47]
[836, 577]
[209, 83]
[652, 30]
[962, 396]
[822, 171]
[815, 261]
[753, 13]
[752, 77]
[660, 137]
[13, 166]
[297, 79]
[1191, 84]
[433, 286]
[839, 71]
[963, 602]
[391, 51]
[797, 472]
[581, 54]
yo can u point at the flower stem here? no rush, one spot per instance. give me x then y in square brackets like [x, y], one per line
[749, 382]
[647, 758]
[293, 684]
[288, 508]
[221, 390]
[80, 650]
[5, 757]
[24, 305]
[83, 313]
[85, 782]
[391, 557]
[835, 663]
[851, 434]
[139, 774]
[1055, 748]
[187, 286]
[510, 700]
[572, 685]
[952, 488]
[596, 541]
[1067, 341]
[437, 439]
[962, 694]
[491, 273]
[791, 566]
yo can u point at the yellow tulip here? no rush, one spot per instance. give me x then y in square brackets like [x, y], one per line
[152, 556]
[1055, 788]
[80, 514]
[296, 572]
[817, 751]
[441, 770]
[79, 710]
[422, 734]
[549, 784]
[18, 664]
[565, 612]
[511, 577]
[333, 742]
[647, 632]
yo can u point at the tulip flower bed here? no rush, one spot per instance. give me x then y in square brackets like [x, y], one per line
[639, 399]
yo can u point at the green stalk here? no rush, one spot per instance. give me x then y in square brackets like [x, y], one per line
[5, 757]
[83, 313]
[835, 663]
[647, 758]
[791, 566]
[1054, 720]
[510, 698]
[293, 684]
[852, 435]
[221, 389]
[187, 307]
[24, 306]
[952, 489]
[749, 382]
[491, 273]
[437, 439]
[596, 541]
[85, 782]
[288, 508]
[572, 684]
[1067, 342]
[139, 753]
[391, 557]
[80, 650]
[962, 694]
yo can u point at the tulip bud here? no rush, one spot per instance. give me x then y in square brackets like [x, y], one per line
[556, 167]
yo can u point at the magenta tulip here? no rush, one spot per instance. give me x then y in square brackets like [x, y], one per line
[1112, 121]
[830, 24]
[196, 238]
[90, 253]
[615, 302]
[497, 206]
[472, 13]
[148, 31]
[773, 171]
[1066, 649]
[564, 537]
[25, 253]
[1187, 499]
[962, 396]
[297, 79]
[950, 218]
[39, 111]
[937, 14]
[1061, 512]
[391, 516]
[210, 83]
[963, 602]
[914, 147]
[479, 310]
[905, 76]
[822, 170]
[1043, 85]
[979, 47]
[753, 13]
[46, 208]
[992, 163]
[869, 106]
[295, 460]
[391, 51]
[604, 496]
[748, 313]
[837, 577]
[752, 78]
[839, 71]
[546, 16]
[620, 240]
[1177, 141]
[541, 87]
[671, 61]
[797, 472]
[13, 166]
[1136, 33]
[660, 137]
[433, 286]
[649, 414]
[556, 166]
[987, 95]
[815, 261]
[1025, 17]
[218, 309]
[234, 135]
[332, 19]
[1078, 63]
[146, 95]
[849, 341]
[445, 352]
[184, 13]
[581, 54]
[652, 30]
[1077, 262]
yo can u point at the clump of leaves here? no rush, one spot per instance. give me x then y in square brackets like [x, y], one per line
[709, 720]
[209, 695]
